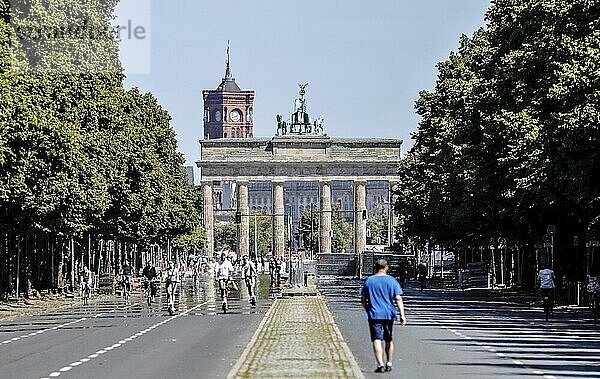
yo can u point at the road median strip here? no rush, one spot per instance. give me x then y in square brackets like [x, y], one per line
[297, 338]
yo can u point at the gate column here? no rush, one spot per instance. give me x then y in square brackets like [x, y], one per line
[243, 226]
[278, 213]
[325, 203]
[360, 219]
[208, 216]
[392, 213]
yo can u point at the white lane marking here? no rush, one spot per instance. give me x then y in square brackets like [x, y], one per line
[517, 362]
[538, 372]
[62, 325]
[501, 355]
[116, 345]
[549, 376]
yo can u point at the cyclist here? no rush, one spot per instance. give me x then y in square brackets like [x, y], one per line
[422, 268]
[150, 274]
[126, 274]
[171, 279]
[222, 274]
[545, 281]
[249, 275]
[86, 282]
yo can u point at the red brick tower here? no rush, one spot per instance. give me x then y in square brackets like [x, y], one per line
[228, 111]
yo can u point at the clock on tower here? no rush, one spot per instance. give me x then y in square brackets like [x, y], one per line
[228, 109]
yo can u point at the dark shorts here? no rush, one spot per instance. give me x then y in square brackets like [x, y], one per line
[548, 291]
[381, 329]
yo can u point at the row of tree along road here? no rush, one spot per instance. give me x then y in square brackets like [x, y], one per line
[89, 171]
[506, 159]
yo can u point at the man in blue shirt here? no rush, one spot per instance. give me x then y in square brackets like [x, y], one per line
[381, 294]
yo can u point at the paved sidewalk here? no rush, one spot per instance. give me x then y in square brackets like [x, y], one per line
[297, 339]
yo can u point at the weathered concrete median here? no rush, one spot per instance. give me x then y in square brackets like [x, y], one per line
[297, 339]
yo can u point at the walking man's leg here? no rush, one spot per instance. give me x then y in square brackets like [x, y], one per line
[376, 328]
[389, 352]
[378, 350]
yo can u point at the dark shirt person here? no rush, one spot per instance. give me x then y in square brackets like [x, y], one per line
[381, 295]
[150, 274]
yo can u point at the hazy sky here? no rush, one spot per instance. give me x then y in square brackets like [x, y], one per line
[365, 61]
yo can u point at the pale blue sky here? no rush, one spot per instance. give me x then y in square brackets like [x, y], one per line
[366, 61]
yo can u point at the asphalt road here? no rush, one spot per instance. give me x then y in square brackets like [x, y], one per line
[469, 334]
[111, 338]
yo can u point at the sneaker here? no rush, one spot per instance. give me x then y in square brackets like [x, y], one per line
[388, 367]
[380, 369]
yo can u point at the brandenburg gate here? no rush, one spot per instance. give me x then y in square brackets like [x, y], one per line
[300, 151]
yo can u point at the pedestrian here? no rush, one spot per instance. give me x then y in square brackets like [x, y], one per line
[249, 275]
[381, 294]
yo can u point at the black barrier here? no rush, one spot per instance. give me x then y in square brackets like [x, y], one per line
[345, 264]
[341, 264]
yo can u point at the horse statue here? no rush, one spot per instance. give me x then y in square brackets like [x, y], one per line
[280, 126]
[319, 125]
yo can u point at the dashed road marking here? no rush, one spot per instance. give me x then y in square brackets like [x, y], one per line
[61, 325]
[120, 343]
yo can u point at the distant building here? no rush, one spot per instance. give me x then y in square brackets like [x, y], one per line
[228, 110]
[228, 113]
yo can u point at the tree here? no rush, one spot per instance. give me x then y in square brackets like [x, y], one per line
[342, 231]
[225, 236]
[193, 241]
[264, 229]
[377, 226]
[81, 159]
[508, 141]
[309, 228]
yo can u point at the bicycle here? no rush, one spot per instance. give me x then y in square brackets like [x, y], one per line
[422, 281]
[225, 285]
[595, 305]
[171, 288]
[126, 287]
[250, 284]
[548, 304]
[150, 291]
[85, 292]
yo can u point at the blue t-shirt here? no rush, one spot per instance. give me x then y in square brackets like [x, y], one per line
[381, 292]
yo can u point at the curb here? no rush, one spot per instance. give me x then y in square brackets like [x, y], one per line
[236, 367]
[355, 368]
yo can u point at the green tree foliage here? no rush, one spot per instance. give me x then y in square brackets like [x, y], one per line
[264, 231]
[225, 236]
[377, 226]
[192, 241]
[309, 226]
[509, 138]
[80, 155]
[342, 231]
